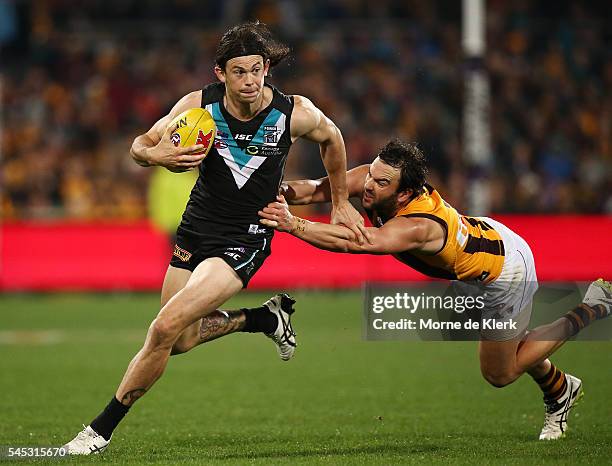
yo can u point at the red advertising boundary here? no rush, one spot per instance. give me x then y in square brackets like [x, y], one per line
[133, 256]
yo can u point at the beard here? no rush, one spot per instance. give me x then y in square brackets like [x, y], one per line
[385, 208]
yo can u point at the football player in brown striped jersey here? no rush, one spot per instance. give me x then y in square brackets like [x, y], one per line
[414, 224]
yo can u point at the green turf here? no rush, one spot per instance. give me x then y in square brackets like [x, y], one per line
[342, 400]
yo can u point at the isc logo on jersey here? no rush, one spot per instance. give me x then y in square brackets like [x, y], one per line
[194, 126]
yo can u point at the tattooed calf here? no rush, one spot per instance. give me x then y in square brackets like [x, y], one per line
[219, 323]
[130, 397]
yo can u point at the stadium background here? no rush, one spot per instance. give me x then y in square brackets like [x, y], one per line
[79, 83]
[80, 80]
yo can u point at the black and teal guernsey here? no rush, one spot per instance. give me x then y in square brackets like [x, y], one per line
[242, 172]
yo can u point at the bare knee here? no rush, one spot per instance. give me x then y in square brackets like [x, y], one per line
[498, 362]
[497, 378]
[163, 333]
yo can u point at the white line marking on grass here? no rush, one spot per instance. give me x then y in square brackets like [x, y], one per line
[57, 336]
[31, 337]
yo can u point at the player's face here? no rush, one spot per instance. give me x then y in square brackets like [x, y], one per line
[244, 77]
[380, 190]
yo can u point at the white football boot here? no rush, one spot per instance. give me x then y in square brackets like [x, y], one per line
[555, 418]
[599, 293]
[282, 306]
[87, 442]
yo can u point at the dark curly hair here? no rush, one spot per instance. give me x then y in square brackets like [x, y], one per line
[251, 38]
[410, 160]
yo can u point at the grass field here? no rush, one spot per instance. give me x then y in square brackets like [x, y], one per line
[341, 400]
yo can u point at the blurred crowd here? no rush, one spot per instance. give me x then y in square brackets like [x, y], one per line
[78, 84]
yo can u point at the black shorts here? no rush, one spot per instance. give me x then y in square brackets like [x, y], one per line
[243, 254]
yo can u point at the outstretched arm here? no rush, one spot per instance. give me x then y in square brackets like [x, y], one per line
[398, 235]
[302, 192]
[309, 122]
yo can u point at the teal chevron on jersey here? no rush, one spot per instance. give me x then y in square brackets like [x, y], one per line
[274, 118]
[241, 157]
[242, 164]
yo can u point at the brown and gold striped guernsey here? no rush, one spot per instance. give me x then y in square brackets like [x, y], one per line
[472, 249]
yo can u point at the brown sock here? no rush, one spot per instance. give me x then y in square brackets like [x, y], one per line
[583, 315]
[553, 384]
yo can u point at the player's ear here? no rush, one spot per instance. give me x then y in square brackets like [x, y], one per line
[404, 196]
[266, 67]
[220, 73]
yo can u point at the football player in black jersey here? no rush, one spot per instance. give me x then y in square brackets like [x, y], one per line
[220, 243]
